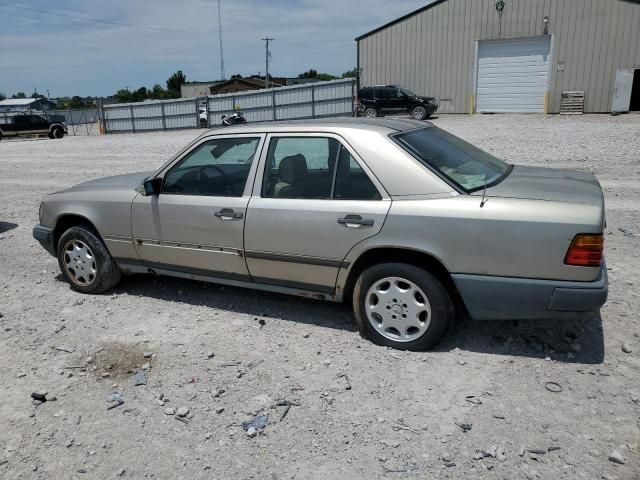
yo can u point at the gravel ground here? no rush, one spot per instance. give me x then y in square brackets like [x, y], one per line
[229, 353]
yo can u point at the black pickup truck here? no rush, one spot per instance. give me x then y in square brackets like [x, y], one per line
[28, 124]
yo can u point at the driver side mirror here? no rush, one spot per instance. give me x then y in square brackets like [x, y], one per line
[152, 186]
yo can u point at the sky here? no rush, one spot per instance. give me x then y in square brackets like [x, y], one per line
[96, 47]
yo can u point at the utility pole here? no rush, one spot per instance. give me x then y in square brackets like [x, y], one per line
[266, 76]
[222, 76]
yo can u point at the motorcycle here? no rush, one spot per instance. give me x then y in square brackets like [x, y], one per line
[234, 119]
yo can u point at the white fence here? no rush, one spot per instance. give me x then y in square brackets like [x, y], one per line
[312, 100]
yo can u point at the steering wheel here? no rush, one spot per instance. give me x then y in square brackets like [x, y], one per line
[202, 173]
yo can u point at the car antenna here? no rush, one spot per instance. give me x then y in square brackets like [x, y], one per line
[484, 192]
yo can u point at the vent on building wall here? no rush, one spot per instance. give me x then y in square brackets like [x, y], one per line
[572, 103]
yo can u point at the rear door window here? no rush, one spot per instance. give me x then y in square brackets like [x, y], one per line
[314, 168]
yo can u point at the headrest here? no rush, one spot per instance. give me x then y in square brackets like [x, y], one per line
[293, 169]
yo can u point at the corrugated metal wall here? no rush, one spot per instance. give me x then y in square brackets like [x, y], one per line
[433, 52]
[313, 100]
[322, 99]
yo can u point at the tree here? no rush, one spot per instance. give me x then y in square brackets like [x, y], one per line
[76, 102]
[37, 95]
[311, 73]
[174, 82]
[350, 74]
[19, 95]
[2, 96]
[157, 92]
[124, 96]
[236, 75]
[140, 94]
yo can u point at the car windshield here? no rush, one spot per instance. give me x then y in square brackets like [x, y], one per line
[465, 165]
[408, 92]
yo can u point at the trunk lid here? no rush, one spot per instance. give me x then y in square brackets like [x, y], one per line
[551, 184]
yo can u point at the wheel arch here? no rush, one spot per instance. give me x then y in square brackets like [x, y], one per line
[66, 221]
[421, 259]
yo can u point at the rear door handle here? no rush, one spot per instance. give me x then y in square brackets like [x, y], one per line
[228, 214]
[355, 221]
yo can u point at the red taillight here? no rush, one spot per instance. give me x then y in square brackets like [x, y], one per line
[585, 250]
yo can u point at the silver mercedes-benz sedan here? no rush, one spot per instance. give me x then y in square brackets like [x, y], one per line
[403, 219]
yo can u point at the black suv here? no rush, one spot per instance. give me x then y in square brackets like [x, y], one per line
[27, 124]
[374, 101]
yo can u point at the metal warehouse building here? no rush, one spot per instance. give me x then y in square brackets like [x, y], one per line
[511, 55]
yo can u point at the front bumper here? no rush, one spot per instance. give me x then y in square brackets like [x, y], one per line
[44, 235]
[503, 298]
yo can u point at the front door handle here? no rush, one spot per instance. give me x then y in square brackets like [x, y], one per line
[355, 221]
[228, 214]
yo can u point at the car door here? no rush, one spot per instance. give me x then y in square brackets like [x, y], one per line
[397, 100]
[38, 124]
[196, 223]
[22, 124]
[313, 201]
[381, 98]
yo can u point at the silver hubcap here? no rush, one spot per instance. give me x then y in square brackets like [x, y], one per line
[398, 309]
[370, 113]
[79, 263]
[418, 114]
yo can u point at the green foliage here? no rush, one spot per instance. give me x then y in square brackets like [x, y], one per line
[311, 73]
[175, 81]
[76, 102]
[19, 95]
[237, 75]
[2, 96]
[350, 74]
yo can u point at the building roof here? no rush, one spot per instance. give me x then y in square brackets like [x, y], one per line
[14, 102]
[432, 3]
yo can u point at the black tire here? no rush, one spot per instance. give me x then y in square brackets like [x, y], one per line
[56, 132]
[442, 311]
[107, 273]
[370, 112]
[419, 113]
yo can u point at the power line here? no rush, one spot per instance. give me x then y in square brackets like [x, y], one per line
[98, 20]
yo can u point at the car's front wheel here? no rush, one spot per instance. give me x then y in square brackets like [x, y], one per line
[85, 262]
[419, 113]
[401, 306]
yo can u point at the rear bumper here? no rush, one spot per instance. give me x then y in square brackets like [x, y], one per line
[44, 235]
[502, 298]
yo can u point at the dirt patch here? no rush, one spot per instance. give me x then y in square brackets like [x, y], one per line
[114, 360]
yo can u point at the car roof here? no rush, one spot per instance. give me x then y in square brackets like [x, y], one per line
[384, 126]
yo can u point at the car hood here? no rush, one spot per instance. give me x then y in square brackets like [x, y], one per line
[426, 99]
[549, 184]
[129, 181]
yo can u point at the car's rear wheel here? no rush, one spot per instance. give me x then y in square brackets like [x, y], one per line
[401, 306]
[370, 112]
[85, 262]
[419, 113]
[57, 132]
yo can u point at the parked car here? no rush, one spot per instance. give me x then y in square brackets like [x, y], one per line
[375, 101]
[16, 125]
[404, 220]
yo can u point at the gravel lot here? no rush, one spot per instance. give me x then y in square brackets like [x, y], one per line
[229, 353]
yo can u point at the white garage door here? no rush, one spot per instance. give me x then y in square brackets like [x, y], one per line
[513, 75]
